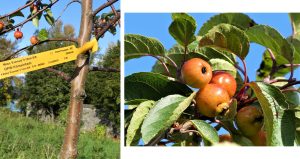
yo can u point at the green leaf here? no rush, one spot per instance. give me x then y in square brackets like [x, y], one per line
[159, 68]
[152, 86]
[43, 35]
[183, 29]
[228, 38]
[278, 122]
[183, 16]
[206, 131]
[220, 64]
[133, 135]
[49, 17]
[138, 45]
[165, 112]
[241, 140]
[17, 14]
[297, 121]
[266, 66]
[205, 53]
[113, 30]
[212, 53]
[35, 21]
[271, 38]
[295, 42]
[135, 102]
[295, 20]
[239, 20]
[128, 115]
[293, 99]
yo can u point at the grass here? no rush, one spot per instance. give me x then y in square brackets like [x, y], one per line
[22, 138]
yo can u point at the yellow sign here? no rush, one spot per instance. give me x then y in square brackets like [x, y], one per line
[45, 59]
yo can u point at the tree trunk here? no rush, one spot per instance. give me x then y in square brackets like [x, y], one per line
[69, 148]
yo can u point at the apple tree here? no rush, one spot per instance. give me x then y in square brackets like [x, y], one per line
[200, 86]
[94, 23]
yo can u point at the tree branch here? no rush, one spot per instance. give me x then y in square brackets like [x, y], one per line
[19, 9]
[114, 11]
[39, 43]
[291, 90]
[99, 9]
[59, 73]
[73, 1]
[108, 26]
[102, 69]
[29, 19]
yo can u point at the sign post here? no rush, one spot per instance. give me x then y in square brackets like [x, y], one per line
[44, 59]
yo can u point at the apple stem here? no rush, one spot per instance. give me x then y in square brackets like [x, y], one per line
[245, 73]
[274, 64]
[173, 63]
[292, 71]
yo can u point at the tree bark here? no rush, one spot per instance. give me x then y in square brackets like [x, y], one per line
[69, 148]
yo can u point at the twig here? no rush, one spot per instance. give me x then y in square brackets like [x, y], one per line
[247, 101]
[156, 140]
[240, 69]
[290, 90]
[73, 1]
[289, 84]
[173, 63]
[99, 9]
[104, 69]
[29, 19]
[281, 80]
[286, 66]
[114, 11]
[19, 9]
[39, 43]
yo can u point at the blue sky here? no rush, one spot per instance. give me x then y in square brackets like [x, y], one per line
[70, 16]
[156, 25]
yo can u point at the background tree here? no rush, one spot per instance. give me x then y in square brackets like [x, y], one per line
[8, 86]
[43, 89]
[103, 88]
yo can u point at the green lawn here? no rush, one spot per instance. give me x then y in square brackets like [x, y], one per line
[26, 138]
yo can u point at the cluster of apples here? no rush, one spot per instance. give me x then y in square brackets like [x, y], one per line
[18, 34]
[216, 89]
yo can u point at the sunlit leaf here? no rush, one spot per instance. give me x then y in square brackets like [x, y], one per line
[206, 131]
[164, 113]
[152, 86]
[227, 37]
[133, 133]
[138, 45]
[278, 121]
[239, 20]
[271, 38]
